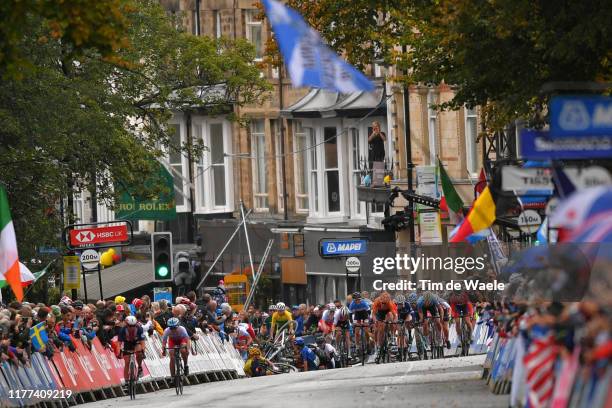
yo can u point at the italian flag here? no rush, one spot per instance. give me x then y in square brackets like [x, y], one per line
[451, 202]
[9, 260]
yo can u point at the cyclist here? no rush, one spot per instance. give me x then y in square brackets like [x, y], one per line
[428, 302]
[404, 316]
[309, 358]
[326, 324]
[326, 353]
[445, 319]
[279, 318]
[342, 320]
[256, 365]
[133, 338]
[461, 306]
[361, 315]
[383, 310]
[176, 335]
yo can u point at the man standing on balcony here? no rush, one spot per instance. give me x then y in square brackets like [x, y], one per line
[376, 144]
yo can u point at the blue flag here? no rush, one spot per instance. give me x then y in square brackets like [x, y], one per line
[309, 61]
[39, 336]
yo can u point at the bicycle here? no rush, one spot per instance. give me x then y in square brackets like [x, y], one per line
[342, 348]
[363, 338]
[178, 370]
[435, 339]
[403, 345]
[132, 374]
[420, 342]
[465, 336]
[384, 355]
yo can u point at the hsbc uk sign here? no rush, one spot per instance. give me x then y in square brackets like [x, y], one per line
[80, 236]
[343, 247]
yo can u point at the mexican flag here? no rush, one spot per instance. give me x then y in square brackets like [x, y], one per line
[9, 260]
[451, 201]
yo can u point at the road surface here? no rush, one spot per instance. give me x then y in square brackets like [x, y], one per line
[448, 383]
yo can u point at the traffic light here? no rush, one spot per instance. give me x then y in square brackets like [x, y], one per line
[161, 249]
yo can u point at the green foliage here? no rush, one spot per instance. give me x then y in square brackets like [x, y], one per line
[496, 52]
[76, 114]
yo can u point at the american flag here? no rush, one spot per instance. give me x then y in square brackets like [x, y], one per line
[539, 364]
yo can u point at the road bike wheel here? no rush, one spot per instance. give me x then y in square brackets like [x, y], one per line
[363, 345]
[466, 338]
[132, 374]
[178, 374]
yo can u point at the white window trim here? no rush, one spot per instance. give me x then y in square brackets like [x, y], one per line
[180, 121]
[306, 134]
[276, 133]
[250, 21]
[469, 160]
[255, 169]
[323, 215]
[208, 206]
[355, 204]
[432, 130]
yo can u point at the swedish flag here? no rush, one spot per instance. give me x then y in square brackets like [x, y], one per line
[39, 337]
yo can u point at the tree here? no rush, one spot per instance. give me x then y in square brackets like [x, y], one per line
[78, 114]
[496, 53]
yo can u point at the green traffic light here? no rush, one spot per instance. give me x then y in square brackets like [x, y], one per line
[162, 271]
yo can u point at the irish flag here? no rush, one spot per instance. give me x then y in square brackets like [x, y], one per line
[451, 201]
[9, 260]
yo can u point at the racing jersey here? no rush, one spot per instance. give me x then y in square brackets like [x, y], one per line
[338, 318]
[131, 334]
[309, 357]
[279, 319]
[421, 303]
[175, 335]
[361, 306]
[328, 317]
[385, 308]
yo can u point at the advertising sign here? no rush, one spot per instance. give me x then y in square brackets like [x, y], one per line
[524, 179]
[343, 247]
[581, 116]
[162, 294]
[540, 146]
[430, 227]
[72, 272]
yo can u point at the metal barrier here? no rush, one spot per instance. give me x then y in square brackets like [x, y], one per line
[94, 373]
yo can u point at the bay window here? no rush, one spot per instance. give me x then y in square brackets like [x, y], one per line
[300, 144]
[179, 167]
[332, 173]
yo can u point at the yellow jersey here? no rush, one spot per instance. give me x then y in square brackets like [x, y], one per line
[280, 319]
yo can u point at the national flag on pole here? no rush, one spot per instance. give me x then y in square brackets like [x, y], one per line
[481, 216]
[309, 61]
[9, 259]
[540, 365]
[451, 200]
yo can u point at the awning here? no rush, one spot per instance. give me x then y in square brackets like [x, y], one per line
[119, 279]
[320, 103]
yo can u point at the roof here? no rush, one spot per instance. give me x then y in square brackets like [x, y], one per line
[119, 279]
[321, 103]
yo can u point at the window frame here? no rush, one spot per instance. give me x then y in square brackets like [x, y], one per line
[305, 134]
[185, 206]
[432, 126]
[251, 21]
[260, 193]
[204, 178]
[471, 160]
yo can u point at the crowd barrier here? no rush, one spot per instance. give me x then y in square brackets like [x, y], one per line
[87, 375]
[576, 385]
[481, 337]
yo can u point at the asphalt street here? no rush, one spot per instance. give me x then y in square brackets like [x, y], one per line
[447, 383]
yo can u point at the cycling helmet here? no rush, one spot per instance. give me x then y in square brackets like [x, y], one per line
[400, 298]
[428, 298]
[344, 312]
[254, 351]
[272, 307]
[331, 307]
[320, 340]
[281, 306]
[356, 295]
[131, 320]
[412, 298]
[299, 341]
[173, 322]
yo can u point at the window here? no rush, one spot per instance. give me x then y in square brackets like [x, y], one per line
[357, 161]
[332, 176]
[78, 205]
[195, 26]
[471, 134]
[432, 126]
[300, 144]
[260, 170]
[314, 170]
[254, 32]
[279, 161]
[217, 17]
[213, 177]
[178, 167]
